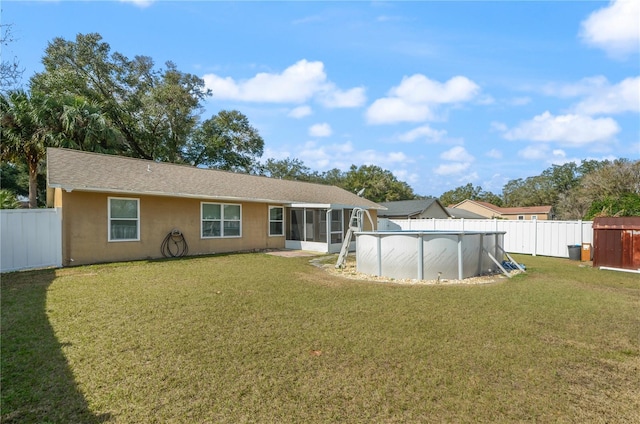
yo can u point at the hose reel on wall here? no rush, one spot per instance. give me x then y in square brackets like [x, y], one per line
[174, 245]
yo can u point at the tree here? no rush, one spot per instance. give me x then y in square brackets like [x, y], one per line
[83, 126]
[627, 204]
[379, 185]
[33, 122]
[286, 169]
[153, 110]
[226, 141]
[609, 188]
[15, 177]
[25, 132]
[10, 70]
[8, 199]
[471, 192]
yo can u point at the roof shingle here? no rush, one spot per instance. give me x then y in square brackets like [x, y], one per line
[83, 171]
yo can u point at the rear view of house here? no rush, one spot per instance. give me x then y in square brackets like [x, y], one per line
[116, 208]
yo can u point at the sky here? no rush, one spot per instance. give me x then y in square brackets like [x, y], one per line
[440, 93]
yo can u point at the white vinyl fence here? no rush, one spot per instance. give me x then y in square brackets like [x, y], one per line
[534, 237]
[30, 238]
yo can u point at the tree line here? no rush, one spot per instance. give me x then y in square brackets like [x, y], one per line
[591, 189]
[90, 98]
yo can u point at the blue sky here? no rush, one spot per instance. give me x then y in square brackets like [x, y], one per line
[440, 93]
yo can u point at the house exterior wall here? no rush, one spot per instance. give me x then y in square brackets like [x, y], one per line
[434, 211]
[489, 213]
[479, 209]
[526, 216]
[85, 228]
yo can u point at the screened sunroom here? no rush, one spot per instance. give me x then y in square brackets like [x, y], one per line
[319, 228]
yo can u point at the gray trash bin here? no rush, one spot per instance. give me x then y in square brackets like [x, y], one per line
[574, 252]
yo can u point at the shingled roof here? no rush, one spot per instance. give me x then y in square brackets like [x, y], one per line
[82, 171]
[408, 208]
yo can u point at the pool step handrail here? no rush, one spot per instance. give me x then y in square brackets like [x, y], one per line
[355, 224]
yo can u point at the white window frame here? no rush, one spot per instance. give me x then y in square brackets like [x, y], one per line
[222, 220]
[281, 221]
[109, 219]
[534, 217]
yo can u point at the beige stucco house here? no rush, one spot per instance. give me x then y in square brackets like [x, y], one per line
[491, 211]
[117, 208]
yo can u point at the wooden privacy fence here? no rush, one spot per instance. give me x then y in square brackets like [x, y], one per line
[30, 238]
[534, 237]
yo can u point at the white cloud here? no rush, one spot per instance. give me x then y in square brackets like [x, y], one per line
[320, 130]
[546, 154]
[494, 153]
[424, 131]
[391, 110]
[583, 87]
[451, 168]
[406, 176]
[520, 101]
[615, 28]
[300, 112]
[459, 161]
[618, 98]
[334, 98]
[457, 154]
[416, 96]
[567, 129]
[299, 83]
[140, 3]
[323, 156]
[420, 89]
[534, 152]
[499, 126]
[600, 96]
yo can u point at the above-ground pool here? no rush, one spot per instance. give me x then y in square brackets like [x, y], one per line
[428, 255]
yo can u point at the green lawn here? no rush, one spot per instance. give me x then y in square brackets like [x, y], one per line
[265, 339]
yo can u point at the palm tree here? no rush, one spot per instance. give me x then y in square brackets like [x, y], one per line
[8, 200]
[31, 123]
[84, 126]
[25, 123]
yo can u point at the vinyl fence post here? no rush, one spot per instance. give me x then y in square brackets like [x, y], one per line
[460, 267]
[420, 258]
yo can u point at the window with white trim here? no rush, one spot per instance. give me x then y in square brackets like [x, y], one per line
[520, 217]
[220, 220]
[124, 219]
[276, 221]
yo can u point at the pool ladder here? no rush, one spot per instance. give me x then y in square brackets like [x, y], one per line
[355, 224]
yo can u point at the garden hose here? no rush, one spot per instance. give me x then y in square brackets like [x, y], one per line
[174, 245]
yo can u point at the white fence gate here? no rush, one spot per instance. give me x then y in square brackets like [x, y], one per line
[534, 237]
[30, 238]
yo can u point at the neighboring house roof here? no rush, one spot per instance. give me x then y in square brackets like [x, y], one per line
[509, 211]
[83, 171]
[408, 208]
[463, 213]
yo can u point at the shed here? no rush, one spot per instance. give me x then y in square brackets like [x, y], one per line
[616, 242]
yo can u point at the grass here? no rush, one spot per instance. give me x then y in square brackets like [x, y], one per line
[258, 338]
